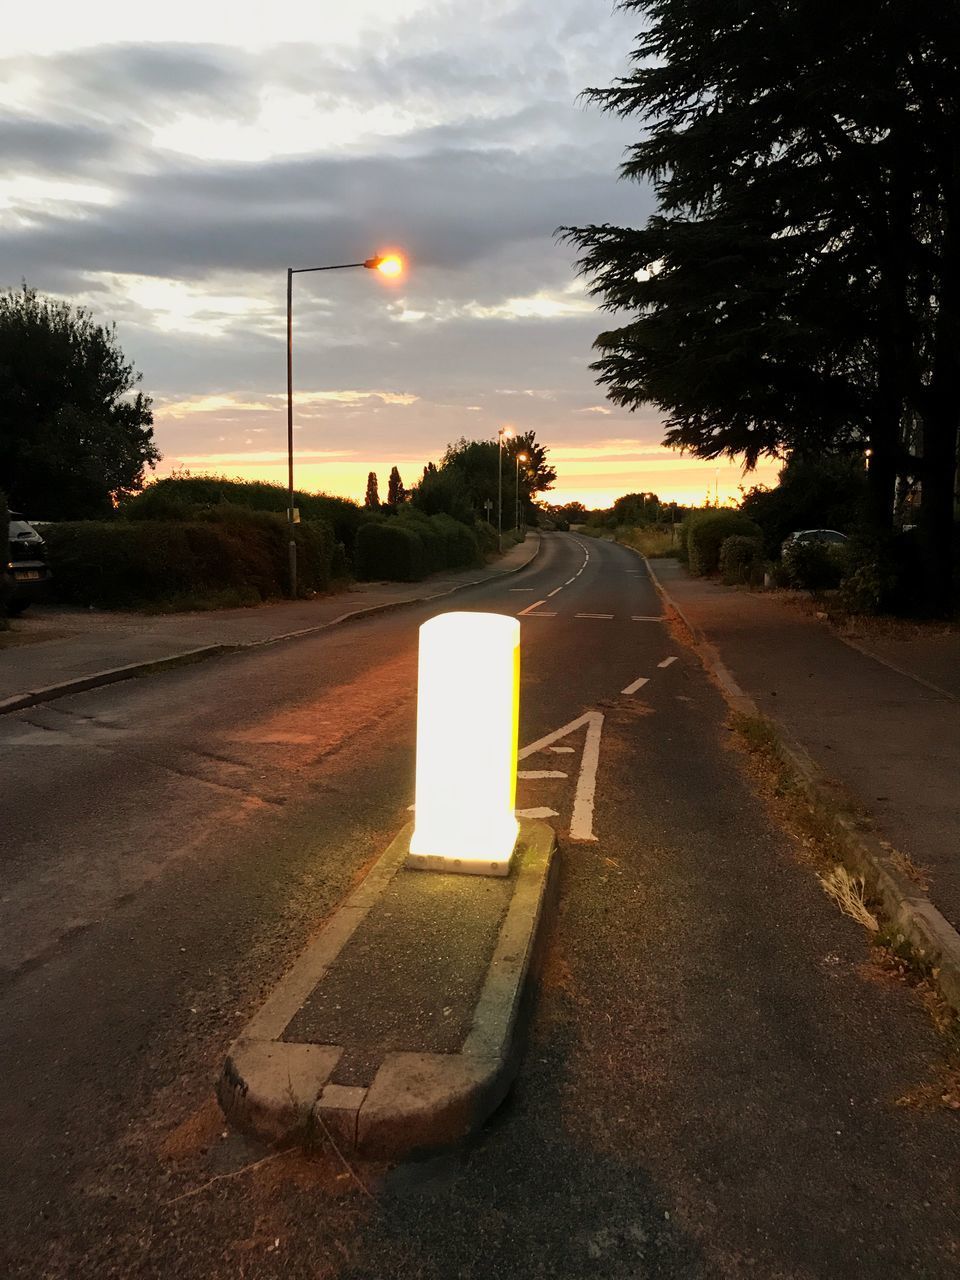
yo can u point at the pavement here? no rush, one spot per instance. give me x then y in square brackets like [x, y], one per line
[60, 647]
[724, 1079]
[874, 719]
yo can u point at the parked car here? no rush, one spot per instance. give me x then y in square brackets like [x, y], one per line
[827, 536]
[26, 564]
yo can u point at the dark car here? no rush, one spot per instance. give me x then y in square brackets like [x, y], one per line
[26, 565]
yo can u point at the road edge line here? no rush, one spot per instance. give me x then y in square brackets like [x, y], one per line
[906, 907]
[114, 675]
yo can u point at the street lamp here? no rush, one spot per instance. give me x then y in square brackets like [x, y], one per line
[390, 265]
[503, 433]
[521, 457]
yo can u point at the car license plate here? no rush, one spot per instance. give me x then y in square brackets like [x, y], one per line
[27, 575]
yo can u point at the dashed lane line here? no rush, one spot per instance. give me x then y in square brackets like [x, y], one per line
[540, 773]
[666, 662]
[637, 684]
[606, 616]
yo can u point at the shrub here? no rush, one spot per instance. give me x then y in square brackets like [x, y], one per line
[460, 546]
[190, 497]
[6, 585]
[390, 549]
[226, 555]
[486, 537]
[741, 559]
[705, 533]
[815, 566]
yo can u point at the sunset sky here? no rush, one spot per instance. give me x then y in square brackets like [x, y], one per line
[163, 165]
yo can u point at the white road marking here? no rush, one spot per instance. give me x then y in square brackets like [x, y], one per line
[593, 615]
[637, 684]
[537, 813]
[569, 580]
[666, 662]
[540, 615]
[561, 751]
[523, 588]
[642, 618]
[581, 823]
[531, 607]
[554, 591]
[540, 773]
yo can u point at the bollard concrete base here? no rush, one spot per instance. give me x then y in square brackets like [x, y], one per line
[399, 1030]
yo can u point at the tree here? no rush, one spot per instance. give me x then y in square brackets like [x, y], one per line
[372, 499]
[75, 436]
[799, 288]
[396, 494]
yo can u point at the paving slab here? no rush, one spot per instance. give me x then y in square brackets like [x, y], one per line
[890, 739]
[399, 1029]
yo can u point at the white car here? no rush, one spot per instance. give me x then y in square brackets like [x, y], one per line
[813, 535]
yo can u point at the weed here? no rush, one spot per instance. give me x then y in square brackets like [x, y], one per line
[848, 893]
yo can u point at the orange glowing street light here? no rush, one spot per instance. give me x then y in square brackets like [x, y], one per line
[389, 265]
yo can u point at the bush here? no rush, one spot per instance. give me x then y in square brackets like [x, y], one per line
[225, 557]
[6, 585]
[741, 559]
[390, 549]
[815, 566]
[705, 533]
[460, 546]
[191, 497]
[486, 537]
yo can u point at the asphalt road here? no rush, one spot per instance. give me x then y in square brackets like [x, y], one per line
[721, 1081]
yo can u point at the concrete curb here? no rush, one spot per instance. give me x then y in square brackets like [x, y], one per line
[113, 675]
[904, 906]
[417, 1102]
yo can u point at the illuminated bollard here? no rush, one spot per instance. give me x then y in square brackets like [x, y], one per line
[468, 701]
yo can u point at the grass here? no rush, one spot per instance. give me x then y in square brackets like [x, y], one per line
[650, 541]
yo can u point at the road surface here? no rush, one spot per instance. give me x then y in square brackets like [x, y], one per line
[721, 1080]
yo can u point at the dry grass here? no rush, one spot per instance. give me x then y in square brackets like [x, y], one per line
[848, 893]
[649, 542]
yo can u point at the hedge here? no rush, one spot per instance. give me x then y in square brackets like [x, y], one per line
[191, 497]
[741, 559]
[241, 556]
[705, 532]
[390, 550]
[6, 583]
[408, 546]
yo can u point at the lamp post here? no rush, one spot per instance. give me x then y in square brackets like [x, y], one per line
[389, 265]
[501, 434]
[521, 457]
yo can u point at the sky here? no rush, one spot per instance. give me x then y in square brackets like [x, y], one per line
[163, 165]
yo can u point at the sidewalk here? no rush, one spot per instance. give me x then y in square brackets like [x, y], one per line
[54, 646]
[890, 739]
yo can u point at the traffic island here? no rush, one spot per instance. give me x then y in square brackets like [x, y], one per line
[399, 1030]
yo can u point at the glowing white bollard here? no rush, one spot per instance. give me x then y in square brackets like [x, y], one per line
[468, 701]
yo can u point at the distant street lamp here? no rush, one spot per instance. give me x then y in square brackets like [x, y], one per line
[390, 265]
[521, 457]
[503, 433]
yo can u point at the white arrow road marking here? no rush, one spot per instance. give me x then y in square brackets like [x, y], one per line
[581, 823]
[540, 773]
[637, 684]
[666, 662]
[537, 813]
